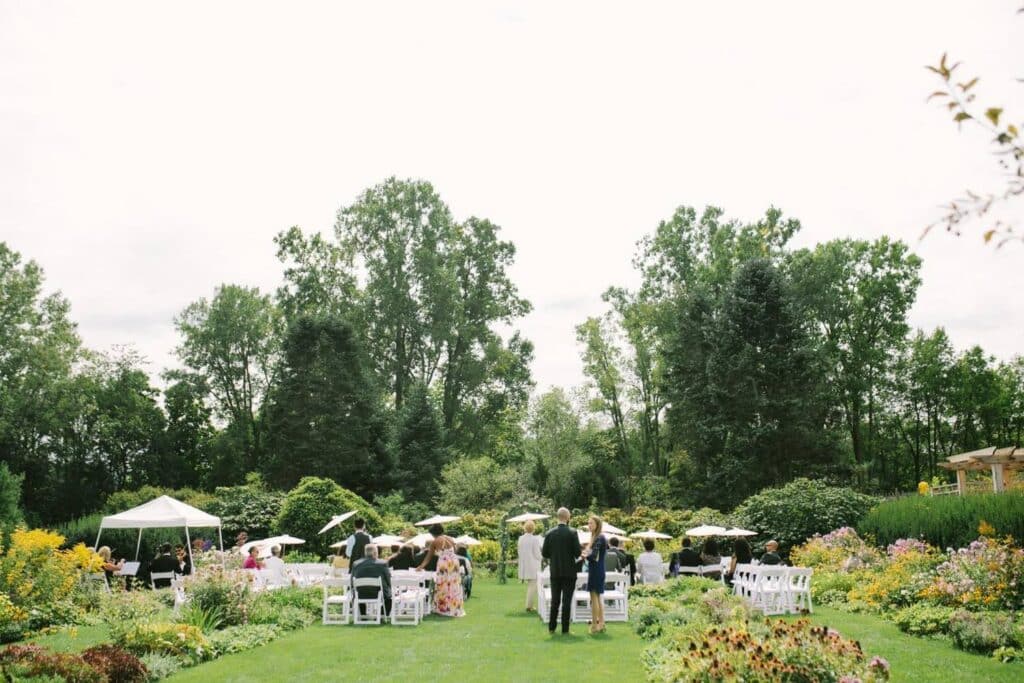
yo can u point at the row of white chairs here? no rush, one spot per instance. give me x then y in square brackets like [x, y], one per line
[774, 589]
[411, 599]
[615, 598]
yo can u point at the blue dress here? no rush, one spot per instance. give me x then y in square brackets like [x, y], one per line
[595, 565]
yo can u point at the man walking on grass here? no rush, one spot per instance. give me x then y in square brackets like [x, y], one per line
[562, 550]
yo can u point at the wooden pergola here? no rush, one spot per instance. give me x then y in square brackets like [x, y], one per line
[1000, 461]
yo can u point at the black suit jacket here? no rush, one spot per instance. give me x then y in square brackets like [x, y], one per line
[372, 569]
[164, 563]
[561, 549]
[688, 557]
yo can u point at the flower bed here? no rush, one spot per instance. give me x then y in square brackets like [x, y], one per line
[973, 595]
[701, 632]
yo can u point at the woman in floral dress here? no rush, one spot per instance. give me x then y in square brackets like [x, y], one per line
[447, 580]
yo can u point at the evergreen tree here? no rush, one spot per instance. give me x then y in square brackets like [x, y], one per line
[419, 445]
[323, 417]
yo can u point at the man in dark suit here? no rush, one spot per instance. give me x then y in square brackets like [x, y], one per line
[562, 550]
[164, 563]
[687, 557]
[370, 568]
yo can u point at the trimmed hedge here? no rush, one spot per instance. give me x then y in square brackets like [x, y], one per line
[945, 521]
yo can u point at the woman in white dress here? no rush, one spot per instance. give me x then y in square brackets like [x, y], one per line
[529, 563]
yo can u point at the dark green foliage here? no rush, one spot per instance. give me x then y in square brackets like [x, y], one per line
[250, 507]
[419, 446]
[185, 454]
[10, 495]
[792, 513]
[945, 521]
[323, 417]
[984, 632]
[924, 619]
[312, 503]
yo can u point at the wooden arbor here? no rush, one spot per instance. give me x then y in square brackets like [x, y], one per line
[1001, 462]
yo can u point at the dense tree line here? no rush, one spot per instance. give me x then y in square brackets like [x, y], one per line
[738, 363]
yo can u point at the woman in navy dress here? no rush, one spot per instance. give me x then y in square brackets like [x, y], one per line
[594, 555]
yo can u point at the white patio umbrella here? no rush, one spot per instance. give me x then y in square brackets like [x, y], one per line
[467, 540]
[612, 530]
[736, 531]
[267, 543]
[706, 530]
[584, 536]
[527, 517]
[652, 534]
[420, 540]
[336, 520]
[437, 519]
[338, 545]
[388, 539]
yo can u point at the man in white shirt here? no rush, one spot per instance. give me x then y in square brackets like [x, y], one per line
[274, 566]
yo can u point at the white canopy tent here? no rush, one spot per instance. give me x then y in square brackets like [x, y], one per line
[161, 513]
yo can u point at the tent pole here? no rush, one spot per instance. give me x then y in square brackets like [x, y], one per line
[97, 546]
[138, 545]
[220, 537]
[188, 544]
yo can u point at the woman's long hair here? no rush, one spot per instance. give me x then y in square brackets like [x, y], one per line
[598, 525]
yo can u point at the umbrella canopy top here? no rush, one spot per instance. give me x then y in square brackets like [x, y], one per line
[527, 517]
[466, 540]
[706, 530]
[438, 519]
[268, 543]
[736, 532]
[162, 512]
[336, 520]
[651, 533]
[420, 539]
[388, 539]
[612, 530]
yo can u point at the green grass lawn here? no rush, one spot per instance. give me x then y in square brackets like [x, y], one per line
[495, 641]
[916, 659]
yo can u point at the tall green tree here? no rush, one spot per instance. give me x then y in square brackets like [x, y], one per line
[323, 417]
[232, 342]
[10, 496]
[419, 446]
[186, 451]
[859, 294]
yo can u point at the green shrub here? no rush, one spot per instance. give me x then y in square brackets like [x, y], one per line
[222, 595]
[120, 611]
[180, 640]
[945, 521]
[831, 587]
[161, 666]
[242, 638]
[207, 619]
[982, 632]
[922, 619]
[250, 507]
[286, 618]
[803, 507]
[312, 503]
[306, 599]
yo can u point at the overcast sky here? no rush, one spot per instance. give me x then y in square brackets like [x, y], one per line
[150, 151]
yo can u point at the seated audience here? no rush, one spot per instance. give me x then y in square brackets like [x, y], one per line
[369, 567]
[275, 568]
[625, 560]
[710, 555]
[184, 563]
[109, 567]
[771, 555]
[164, 563]
[466, 569]
[648, 565]
[686, 557]
[403, 559]
[253, 561]
[741, 554]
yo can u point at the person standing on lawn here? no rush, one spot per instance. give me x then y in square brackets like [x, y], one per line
[561, 549]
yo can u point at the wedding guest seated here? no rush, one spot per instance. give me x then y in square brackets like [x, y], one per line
[253, 561]
[741, 554]
[466, 569]
[648, 565]
[431, 565]
[710, 555]
[184, 563]
[164, 563]
[403, 559]
[771, 555]
[369, 567]
[625, 561]
[275, 568]
[686, 557]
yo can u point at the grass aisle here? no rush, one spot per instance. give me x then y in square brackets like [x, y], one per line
[496, 641]
[916, 659]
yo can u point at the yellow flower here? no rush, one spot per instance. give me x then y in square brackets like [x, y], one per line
[986, 529]
[922, 488]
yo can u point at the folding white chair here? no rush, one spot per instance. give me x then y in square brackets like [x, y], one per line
[798, 589]
[616, 599]
[407, 601]
[710, 570]
[543, 595]
[695, 571]
[581, 610]
[741, 580]
[337, 601]
[160, 576]
[367, 610]
[769, 592]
